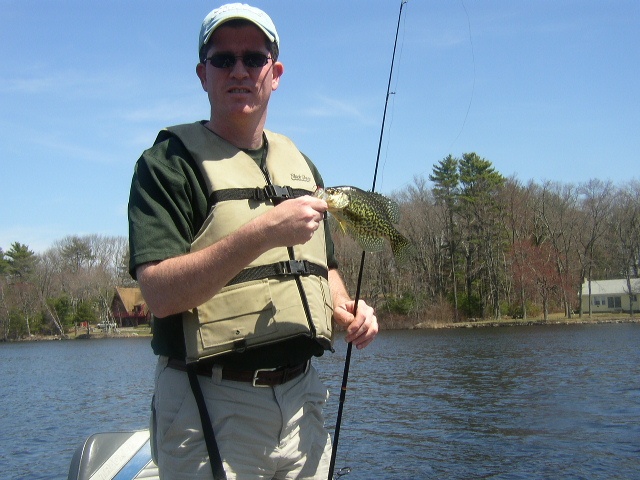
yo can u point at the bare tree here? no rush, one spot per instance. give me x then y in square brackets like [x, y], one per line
[625, 227]
[557, 209]
[523, 228]
[595, 204]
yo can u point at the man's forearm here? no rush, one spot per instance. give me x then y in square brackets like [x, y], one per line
[181, 283]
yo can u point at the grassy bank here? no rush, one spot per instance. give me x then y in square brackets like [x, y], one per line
[81, 333]
[552, 319]
[403, 322]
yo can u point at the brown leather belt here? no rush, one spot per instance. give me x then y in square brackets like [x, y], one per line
[262, 377]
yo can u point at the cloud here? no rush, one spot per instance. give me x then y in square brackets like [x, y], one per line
[38, 238]
[336, 108]
[31, 85]
[74, 150]
[69, 83]
[39, 82]
[165, 112]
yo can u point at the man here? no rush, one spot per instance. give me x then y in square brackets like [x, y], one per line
[232, 255]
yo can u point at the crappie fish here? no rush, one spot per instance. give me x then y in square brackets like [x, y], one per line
[368, 217]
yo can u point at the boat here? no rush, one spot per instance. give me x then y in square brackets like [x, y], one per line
[114, 456]
[122, 456]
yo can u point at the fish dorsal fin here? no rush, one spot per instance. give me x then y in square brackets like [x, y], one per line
[390, 207]
[377, 200]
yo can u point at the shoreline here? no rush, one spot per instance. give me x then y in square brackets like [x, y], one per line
[529, 322]
[395, 323]
[82, 335]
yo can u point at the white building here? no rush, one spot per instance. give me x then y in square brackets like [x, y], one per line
[611, 295]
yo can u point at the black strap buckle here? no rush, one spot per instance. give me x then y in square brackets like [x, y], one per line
[271, 192]
[294, 267]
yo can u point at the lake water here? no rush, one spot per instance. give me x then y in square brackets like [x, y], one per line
[543, 402]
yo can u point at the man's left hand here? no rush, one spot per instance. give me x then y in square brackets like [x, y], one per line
[361, 329]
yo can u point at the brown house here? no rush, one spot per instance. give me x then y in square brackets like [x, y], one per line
[128, 308]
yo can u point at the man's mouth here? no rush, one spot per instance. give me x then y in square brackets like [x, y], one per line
[239, 90]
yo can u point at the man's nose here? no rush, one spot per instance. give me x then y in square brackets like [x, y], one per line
[239, 70]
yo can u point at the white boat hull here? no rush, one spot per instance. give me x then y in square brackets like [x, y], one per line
[114, 456]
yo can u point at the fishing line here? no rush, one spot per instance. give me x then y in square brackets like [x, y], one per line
[473, 85]
[347, 362]
[386, 103]
[386, 151]
[393, 99]
[473, 88]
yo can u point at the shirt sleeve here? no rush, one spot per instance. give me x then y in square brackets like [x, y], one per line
[167, 204]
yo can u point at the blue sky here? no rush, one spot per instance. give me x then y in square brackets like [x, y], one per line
[545, 90]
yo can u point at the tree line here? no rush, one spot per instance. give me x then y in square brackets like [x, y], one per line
[70, 283]
[485, 246]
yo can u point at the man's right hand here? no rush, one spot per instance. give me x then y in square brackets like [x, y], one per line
[294, 221]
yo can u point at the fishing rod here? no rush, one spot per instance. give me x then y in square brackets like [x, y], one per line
[347, 362]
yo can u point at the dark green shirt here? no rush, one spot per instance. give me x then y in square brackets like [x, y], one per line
[168, 204]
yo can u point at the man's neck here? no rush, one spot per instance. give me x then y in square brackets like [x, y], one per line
[243, 137]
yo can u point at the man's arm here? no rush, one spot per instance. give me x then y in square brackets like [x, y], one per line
[362, 329]
[181, 283]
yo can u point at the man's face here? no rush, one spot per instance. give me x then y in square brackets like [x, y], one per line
[239, 91]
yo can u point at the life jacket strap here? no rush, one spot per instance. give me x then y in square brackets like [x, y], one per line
[260, 194]
[279, 269]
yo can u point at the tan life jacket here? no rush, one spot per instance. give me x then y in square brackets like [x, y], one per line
[283, 293]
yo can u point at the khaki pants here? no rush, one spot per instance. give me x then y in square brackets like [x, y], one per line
[262, 433]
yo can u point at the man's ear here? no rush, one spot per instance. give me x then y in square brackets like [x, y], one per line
[201, 71]
[278, 70]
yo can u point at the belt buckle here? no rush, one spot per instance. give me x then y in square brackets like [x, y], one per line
[257, 372]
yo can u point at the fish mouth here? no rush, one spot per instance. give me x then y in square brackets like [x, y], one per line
[336, 200]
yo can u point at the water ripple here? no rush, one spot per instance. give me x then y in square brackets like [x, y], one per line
[507, 403]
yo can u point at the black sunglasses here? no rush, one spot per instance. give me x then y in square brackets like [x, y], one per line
[228, 60]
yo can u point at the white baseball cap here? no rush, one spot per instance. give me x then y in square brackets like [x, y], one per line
[235, 11]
